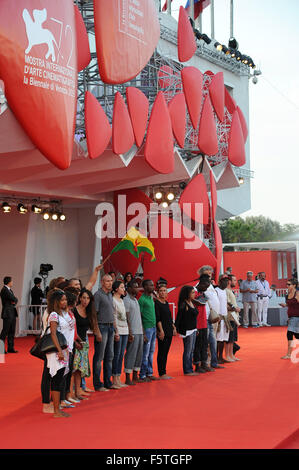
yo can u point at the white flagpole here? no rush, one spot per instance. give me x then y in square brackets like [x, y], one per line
[169, 7]
[212, 20]
[231, 18]
[192, 9]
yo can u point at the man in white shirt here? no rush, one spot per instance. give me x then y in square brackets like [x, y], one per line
[263, 296]
[213, 302]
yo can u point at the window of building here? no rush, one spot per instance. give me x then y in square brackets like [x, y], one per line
[285, 266]
[293, 262]
[279, 266]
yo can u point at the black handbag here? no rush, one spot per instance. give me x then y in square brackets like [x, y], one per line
[44, 345]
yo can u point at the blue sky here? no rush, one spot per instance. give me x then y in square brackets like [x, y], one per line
[268, 31]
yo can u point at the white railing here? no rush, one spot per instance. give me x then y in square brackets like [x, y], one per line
[281, 292]
[25, 319]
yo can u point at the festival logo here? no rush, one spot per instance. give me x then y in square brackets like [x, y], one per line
[127, 32]
[38, 64]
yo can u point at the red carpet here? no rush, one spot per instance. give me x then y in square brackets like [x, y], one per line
[251, 404]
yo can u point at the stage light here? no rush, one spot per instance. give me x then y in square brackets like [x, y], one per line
[54, 216]
[170, 196]
[22, 209]
[158, 195]
[233, 43]
[238, 55]
[241, 180]
[225, 50]
[244, 59]
[164, 204]
[46, 215]
[182, 185]
[251, 63]
[206, 38]
[62, 217]
[6, 207]
[232, 52]
[36, 209]
[218, 46]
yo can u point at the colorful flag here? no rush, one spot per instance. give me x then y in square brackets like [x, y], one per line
[135, 242]
[165, 6]
[199, 6]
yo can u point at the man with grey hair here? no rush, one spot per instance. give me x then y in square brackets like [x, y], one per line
[213, 302]
[263, 297]
[104, 349]
[249, 290]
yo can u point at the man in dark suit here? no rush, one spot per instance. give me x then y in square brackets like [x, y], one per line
[9, 314]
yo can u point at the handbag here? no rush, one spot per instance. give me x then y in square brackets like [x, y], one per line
[234, 317]
[45, 345]
[213, 316]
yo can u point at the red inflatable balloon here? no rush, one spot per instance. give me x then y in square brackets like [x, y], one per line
[38, 63]
[126, 36]
[97, 126]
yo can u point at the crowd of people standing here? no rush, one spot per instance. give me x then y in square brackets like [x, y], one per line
[129, 318]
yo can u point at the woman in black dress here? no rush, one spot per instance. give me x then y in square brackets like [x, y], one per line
[86, 319]
[165, 329]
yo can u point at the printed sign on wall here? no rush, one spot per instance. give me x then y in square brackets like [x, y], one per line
[127, 32]
[38, 64]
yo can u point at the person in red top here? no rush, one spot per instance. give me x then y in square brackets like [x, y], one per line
[200, 354]
[292, 302]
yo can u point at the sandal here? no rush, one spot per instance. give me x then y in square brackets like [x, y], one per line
[286, 357]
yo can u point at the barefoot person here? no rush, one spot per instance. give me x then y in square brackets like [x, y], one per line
[232, 307]
[186, 325]
[133, 357]
[292, 302]
[57, 361]
[147, 308]
[222, 335]
[85, 315]
[121, 333]
[165, 329]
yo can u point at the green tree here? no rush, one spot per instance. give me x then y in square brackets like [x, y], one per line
[255, 229]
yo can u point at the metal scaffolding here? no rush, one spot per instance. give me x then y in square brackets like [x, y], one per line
[161, 73]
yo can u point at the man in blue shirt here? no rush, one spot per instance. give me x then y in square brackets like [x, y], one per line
[249, 290]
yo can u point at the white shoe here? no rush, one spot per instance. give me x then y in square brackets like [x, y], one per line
[266, 324]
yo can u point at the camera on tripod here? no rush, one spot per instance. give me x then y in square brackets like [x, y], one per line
[44, 270]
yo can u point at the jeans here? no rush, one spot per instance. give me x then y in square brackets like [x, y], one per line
[133, 357]
[148, 353]
[119, 351]
[213, 345]
[103, 351]
[189, 344]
